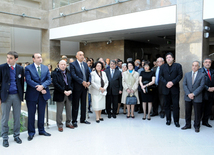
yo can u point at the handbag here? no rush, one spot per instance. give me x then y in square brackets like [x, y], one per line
[131, 100]
[149, 89]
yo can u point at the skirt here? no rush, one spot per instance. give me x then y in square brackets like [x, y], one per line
[98, 102]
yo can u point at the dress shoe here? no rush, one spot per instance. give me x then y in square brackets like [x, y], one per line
[45, 134]
[5, 143]
[186, 127]
[207, 125]
[149, 119]
[177, 124]
[103, 112]
[127, 116]
[30, 137]
[89, 111]
[109, 115]
[197, 130]
[101, 119]
[133, 116]
[98, 121]
[70, 126]
[124, 113]
[75, 124]
[117, 113]
[114, 116]
[18, 140]
[60, 129]
[144, 118]
[168, 122]
[154, 114]
[85, 122]
[162, 115]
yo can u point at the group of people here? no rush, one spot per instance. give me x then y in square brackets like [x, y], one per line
[105, 85]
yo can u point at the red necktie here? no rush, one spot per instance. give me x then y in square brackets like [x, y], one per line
[12, 68]
[209, 74]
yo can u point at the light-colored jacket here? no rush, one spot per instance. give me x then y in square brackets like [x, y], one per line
[96, 83]
[134, 87]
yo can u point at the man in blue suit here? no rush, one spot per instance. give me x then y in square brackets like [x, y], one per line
[38, 79]
[11, 94]
[81, 81]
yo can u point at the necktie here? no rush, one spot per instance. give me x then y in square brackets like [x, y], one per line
[12, 68]
[209, 74]
[83, 71]
[39, 71]
[65, 78]
[112, 73]
[193, 78]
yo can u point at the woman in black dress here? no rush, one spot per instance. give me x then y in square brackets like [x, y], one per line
[147, 79]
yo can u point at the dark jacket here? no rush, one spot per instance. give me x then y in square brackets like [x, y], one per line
[174, 75]
[115, 83]
[60, 86]
[77, 76]
[208, 83]
[5, 81]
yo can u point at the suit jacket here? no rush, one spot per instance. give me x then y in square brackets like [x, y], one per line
[60, 86]
[196, 88]
[32, 80]
[174, 75]
[5, 81]
[208, 83]
[77, 76]
[96, 83]
[115, 83]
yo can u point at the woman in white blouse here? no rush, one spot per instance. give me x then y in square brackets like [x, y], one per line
[99, 84]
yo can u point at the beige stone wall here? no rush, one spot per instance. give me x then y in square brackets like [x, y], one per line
[114, 10]
[101, 49]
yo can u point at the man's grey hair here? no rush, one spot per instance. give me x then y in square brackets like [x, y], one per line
[129, 59]
[113, 61]
[207, 59]
[62, 61]
[199, 64]
[124, 64]
[160, 58]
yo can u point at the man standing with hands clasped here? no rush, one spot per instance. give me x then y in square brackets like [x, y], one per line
[81, 79]
[170, 75]
[12, 89]
[193, 84]
[38, 79]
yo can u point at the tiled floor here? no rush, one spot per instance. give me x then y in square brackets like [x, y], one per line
[119, 136]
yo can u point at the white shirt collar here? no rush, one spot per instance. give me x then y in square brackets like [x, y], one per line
[195, 73]
[13, 65]
[79, 62]
[37, 66]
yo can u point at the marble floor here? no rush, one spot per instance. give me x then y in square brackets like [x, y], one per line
[119, 136]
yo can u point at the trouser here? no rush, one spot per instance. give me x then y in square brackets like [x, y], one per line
[111, 99]
[207, 108]
[176, 109]
[60, 105]
[14, 101]
[197, 112]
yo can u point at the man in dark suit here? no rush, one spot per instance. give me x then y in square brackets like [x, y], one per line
[12, 89]
[38, 79]
[114, 88]
[170, 75]
[62, 94]
[159, 97]
[81, 80]
[208, 92]
[193, 85]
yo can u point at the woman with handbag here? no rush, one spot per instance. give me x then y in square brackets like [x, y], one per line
[130, 80]
[147, 80]
[99, 84]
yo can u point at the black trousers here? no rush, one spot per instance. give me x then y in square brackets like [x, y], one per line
[197, 111]
[111, 99]
[158, 100]
[176, 109]
[79, 96]
[207, 109]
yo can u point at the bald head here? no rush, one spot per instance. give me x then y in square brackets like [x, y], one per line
[80, 56]
[160, 61]
[62, 65]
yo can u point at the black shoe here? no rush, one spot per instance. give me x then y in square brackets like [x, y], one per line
[197, 130]
[45, 134]
[109, 115]
[101, 119]
[114, 116]
[103, 112]
[89, 111]
[162, 115]
[75, 124]
[18, 140]
[207, 125]
[177, 124]
[144, 118]
[85, 122]
[168, 122]
[154, 114]
[5, 143]
[186, 127]
[30, 137]
[124, 113]
[117, 113]
[98, 121]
